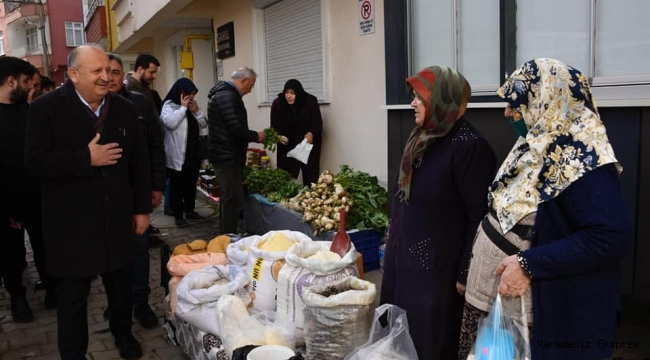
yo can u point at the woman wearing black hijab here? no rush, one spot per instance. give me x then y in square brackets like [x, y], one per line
[296, 115]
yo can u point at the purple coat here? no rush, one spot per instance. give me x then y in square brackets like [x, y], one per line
[430, 239]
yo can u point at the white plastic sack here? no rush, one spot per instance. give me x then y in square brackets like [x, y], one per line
[238, 251]
[264, 268]
[337, 317]
[301, 272]
[301, 152]
[199, 291]
[392, 342]
[241, 329]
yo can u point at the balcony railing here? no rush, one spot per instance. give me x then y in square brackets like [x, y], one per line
[92, 6]
[23, 51]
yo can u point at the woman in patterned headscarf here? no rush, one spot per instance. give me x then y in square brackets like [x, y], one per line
[557, 199]
[445, 171]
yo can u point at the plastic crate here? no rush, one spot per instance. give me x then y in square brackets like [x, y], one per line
[367, 243]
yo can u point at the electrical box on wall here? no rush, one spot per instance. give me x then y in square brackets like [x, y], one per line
[187, 60]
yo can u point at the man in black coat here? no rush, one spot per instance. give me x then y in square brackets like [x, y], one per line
[87, 147]
[154, 136]
[19, 194]
[229, 138]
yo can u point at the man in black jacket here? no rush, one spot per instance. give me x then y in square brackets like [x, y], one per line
[154, 136]
[229, 138]
[19, 197]
[87, 147]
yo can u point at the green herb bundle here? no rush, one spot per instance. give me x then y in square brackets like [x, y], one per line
[272, 138]
[266, 181]
[369, 199]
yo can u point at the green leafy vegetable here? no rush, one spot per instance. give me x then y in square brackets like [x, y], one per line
[271, 138]
[368, 198]
[266, 181]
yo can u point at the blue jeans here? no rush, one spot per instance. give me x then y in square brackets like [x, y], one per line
[168, 204]
[140, 270]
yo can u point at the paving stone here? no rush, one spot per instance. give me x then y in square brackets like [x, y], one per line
[109, 344]
[6, 335]
[46, 320]
[54, 356]
[27, 341]
[52, 336]
[44, 329]
[96, 346]
[4, 346]
[105, 355]
[48, 349]
[23, 353]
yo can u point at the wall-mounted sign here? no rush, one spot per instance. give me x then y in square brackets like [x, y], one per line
[366, 17]
[219, 68]
[226, 41]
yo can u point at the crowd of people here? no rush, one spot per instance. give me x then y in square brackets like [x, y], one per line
[83, 165]
[107, 137]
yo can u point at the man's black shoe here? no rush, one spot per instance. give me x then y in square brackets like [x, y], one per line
[180, 222]
[152, 230]
[40, 285]
[107, 314]
[145, 316]
[130, 348]
[193, 216]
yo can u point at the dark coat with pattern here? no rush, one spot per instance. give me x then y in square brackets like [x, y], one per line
[87, 211]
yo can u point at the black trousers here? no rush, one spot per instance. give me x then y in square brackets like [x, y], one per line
[12, 257]
[72, 313]
[182, 188]
[34, 227]
[229, 175]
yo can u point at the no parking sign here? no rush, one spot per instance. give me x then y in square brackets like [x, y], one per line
[366, 17]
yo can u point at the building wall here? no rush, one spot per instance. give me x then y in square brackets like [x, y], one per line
[96, 27]
[3, 29]
[355, 127]
[60, 11]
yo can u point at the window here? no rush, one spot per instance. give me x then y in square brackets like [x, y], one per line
[32, 40]
[555, 29]
[292, 48]
[461, 34]
[622, 41]
[2, 43]
[74, 33]
[606, 41]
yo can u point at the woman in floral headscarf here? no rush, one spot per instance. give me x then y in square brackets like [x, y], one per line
[557, 199]
[445, 171]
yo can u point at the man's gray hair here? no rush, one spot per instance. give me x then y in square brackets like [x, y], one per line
[243, 73]
[73, 60]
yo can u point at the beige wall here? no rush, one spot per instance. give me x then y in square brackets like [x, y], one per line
[354, 126]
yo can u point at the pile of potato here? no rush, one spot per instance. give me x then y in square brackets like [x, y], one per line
[198, 246]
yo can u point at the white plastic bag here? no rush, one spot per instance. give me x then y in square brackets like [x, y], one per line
[199, 291]
[301, 151]
[264, 267]
[300, 272]
[500, 336]
[241, 329]
[392, 342]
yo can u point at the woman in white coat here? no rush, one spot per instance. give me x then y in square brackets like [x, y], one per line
[182, 119]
